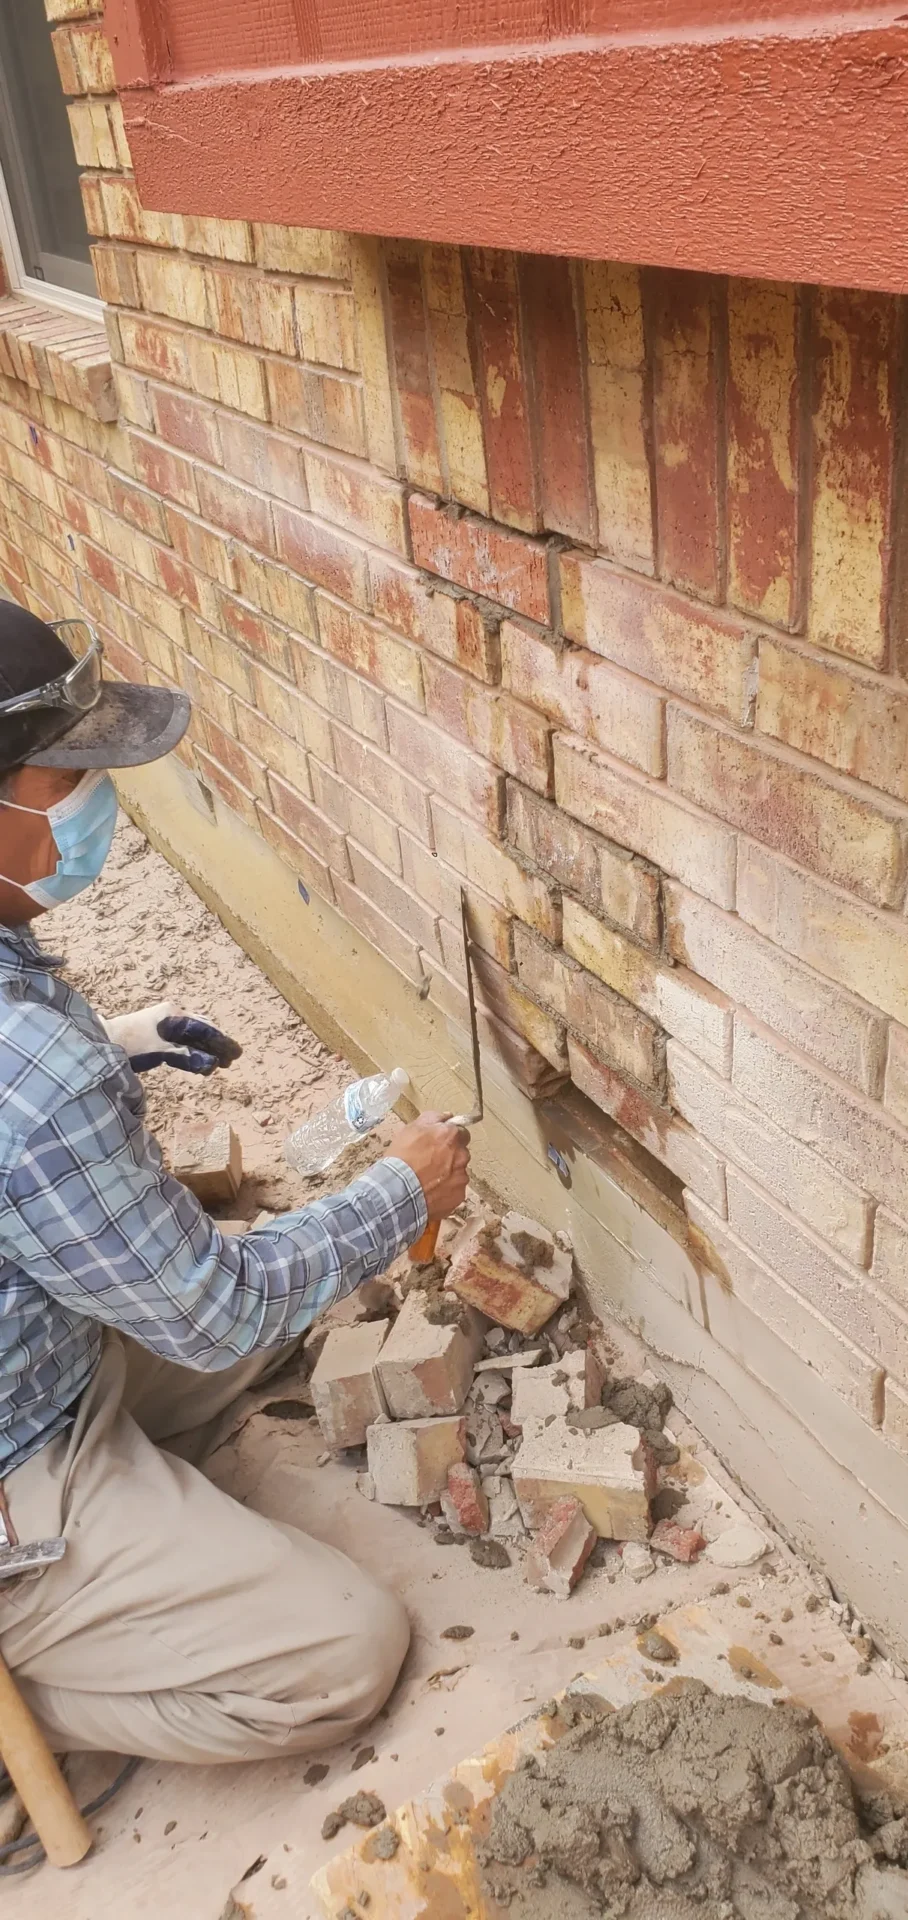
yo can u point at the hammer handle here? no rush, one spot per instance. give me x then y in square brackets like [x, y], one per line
[424, 1248]
[36, 1776]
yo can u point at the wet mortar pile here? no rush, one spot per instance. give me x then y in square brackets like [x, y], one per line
[692, 1804]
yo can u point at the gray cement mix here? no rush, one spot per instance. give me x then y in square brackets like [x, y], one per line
[692, 1805]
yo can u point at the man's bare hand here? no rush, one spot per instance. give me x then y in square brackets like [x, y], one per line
[439, 1153]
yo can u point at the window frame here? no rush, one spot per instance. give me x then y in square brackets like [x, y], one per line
[46, 291]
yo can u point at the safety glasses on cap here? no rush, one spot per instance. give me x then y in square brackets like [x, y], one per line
[79, 688]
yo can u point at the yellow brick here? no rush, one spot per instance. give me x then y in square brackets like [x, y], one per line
[157, 609]
[614, 324]
[69, 9]
[374, 352]
[118, 132]
[363, 502]
[275, 590]
[246, 306]
[115, 273]
[232, 375]
[857, 344]
[279, 753]
[458, 401]
[326, 319]
[218, 239]
[93, 203]
[171, 285]
[762, 447]
[302, 250]
[93, 61]
[105, 145]
[82, 128]
[696, 1014]
[126, 219]
[855, 721]
[220, 658]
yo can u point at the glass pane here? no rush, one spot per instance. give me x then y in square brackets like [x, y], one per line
[36, 151]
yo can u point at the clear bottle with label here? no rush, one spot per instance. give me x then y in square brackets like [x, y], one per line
[313, 1147]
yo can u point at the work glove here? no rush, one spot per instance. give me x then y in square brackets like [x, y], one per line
[164, 1036]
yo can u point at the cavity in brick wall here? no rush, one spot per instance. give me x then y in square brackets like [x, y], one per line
[569, 581]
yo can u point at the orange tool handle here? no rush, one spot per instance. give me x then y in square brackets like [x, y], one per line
[424, 1248]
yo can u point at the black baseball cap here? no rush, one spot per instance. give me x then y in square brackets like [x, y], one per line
[87, 721]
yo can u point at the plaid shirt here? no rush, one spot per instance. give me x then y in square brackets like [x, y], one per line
[94, 1232]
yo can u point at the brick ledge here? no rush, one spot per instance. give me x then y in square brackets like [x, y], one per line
[62, 354]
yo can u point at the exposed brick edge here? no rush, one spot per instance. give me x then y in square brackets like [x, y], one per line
[62, 354]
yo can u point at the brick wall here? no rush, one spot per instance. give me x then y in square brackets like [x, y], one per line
[575, 583]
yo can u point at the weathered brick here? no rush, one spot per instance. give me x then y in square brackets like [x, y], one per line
[373, 352]
[308, 824]
[763, 419]
[615, 1031]
[409, 1459]
[488, 1272]
[115, 273]
[464, 1502]
[493, 304]
[890, 1256]
[691, 1011]
[852, 720]
[560, 1549]
[233, 375]
[412, 366]
[326, 407]
[895, 1414]
[446, 622]
[242, 768]
[188, 588]
[426, 1365]
[832, 1205]
[439, 886]
[250, 307]
[387, 892]
[358, 817]
[299, 858]
[93, 203]
[744, 1281]
[302, 250]
[842, 1033]
[857, 345]
[92, 135]
[520, 892]
[370, 649]
[356, 498]
[187, 423]
[199, 545]
[848, 942]
[125, 218]
[235, 508]
[500, 995]
[513, 736]
[666, 1137]
[346, 1393]
[850, 1131]
[163, 472]
[458, 395]
[641, 815]
[582, 693]
[709, 657]
[606, 877]
[684, 321]
[263, 458]
[272, 745]
[820, 822]
[573, 1382]
[397, 947]
[476, 554]
[610, 1472]
[442, 763]
[322, 555]
[217, 239]
[155, 349]
[373, 775]
[133, 399]
[286, 708]
[172, 285]
[326, 320]
[616, 376]
[552, 324]
[895, 1096]
[843, 1295]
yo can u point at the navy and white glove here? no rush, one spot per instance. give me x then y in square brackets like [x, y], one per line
[165, 1036]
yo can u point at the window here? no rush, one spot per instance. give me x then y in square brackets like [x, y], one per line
[42, 223]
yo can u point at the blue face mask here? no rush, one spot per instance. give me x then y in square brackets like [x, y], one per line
[83, 827]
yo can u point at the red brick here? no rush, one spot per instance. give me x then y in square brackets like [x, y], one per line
[667, 1138]
[606, 877]
[708, 657]
[640, 814]
[511, 735]
[357, 498]
[763, 414]
[237, 509]
[444, 765]
[259, 636]
[550, 305]
[326, 407]
[493, 304]
[263, 458]
[476, 554]
[308, 824]
[153, 347]
[369, 649]
[444, 621]
[683, 309]
[188, 588]
[163, 471]
[463, 1502]
[585, 695]
[561, 1549]
[242, 767]
[819, 821]
[679, 1543]
[413, 374]
[322, 555]
[141, 509]
[857, 346]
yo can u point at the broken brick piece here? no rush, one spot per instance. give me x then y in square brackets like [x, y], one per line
[464, 1503]
[409, 1459]
[427, 1362]
[345, 1390]
[561, 1549]
[680, 1543]
[573, 1381]
[213, 1169]
[515, 1272]
[373, 1300]
[610, 1470]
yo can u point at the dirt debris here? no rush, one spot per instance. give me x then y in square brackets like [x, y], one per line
[360, 1809]
[691, 1804]
[489, 1553]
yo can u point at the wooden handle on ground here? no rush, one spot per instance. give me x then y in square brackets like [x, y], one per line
[37, 1778]
[424, 1248]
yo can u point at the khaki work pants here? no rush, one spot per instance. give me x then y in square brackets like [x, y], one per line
[179, 1625]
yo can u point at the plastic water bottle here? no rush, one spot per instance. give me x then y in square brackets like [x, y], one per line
[311, 1148]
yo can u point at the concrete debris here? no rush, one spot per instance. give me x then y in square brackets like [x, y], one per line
[464, 1502]
[361, 1809]
[409, 1459]
[426, 1366]
[610, 1472]
[680, 1543]
[560, 1549]
[741, 1545]
[512, 1270]
[491, 1389]
[345, 1388]
[637, 1560]
[213, 1169]
[489, 1553]
[504, 1362]
[365, 1485]
[572, 1382]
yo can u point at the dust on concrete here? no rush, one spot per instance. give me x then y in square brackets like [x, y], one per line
[691, 1805]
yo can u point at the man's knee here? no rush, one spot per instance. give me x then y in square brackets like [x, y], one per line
[377, 1651]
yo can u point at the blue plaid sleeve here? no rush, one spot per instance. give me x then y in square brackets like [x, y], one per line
[95, 1219]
